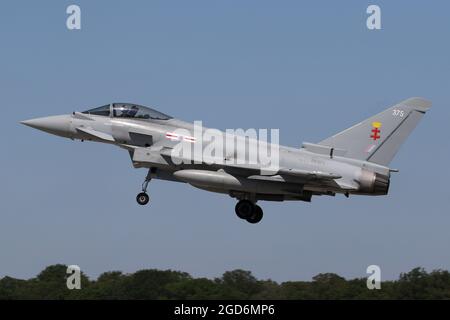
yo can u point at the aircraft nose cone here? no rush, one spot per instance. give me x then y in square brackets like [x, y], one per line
[58, 125]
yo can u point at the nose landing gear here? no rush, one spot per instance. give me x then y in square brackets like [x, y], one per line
[249, 211]
[143, 198]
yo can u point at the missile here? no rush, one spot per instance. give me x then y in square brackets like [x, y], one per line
[226, 181]
[217, 179]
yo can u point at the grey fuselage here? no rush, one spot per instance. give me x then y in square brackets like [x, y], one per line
[310, 170]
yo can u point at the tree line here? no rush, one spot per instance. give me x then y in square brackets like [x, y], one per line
[236, 284]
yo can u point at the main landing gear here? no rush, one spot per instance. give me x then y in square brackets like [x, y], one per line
[249, 211]
[143, 198]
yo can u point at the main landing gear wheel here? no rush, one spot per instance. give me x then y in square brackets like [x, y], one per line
[142, 198]
[244, 209]
[249, 211]
[256, 216]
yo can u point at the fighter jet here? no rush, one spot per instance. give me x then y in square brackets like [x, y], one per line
[352, 162]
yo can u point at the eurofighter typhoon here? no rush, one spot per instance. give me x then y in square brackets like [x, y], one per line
[247, 168]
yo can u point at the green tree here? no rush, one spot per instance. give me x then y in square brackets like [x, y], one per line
[195, 289]
[109, 285]
[328, 286]
[418, 284]
[152, 284]
[238, 284]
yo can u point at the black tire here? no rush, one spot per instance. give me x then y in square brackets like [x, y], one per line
[256, 216]
[244, 209]
[142, 198]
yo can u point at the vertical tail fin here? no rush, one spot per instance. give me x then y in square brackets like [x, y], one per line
[378, 138]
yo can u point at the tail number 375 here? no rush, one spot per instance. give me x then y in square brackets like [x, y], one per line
[398, 113]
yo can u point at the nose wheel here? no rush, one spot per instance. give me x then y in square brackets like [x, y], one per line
[249, 211]
[143, 198]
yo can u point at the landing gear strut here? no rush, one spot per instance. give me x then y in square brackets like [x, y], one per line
[249, 211]
[143, 198]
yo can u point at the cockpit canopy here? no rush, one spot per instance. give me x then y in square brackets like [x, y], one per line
[128, 110]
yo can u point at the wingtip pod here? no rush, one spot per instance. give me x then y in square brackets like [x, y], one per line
[417, 103]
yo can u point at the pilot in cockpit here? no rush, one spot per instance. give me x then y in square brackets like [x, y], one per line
[132, 111]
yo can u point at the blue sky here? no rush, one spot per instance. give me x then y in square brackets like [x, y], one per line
[309, 68]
